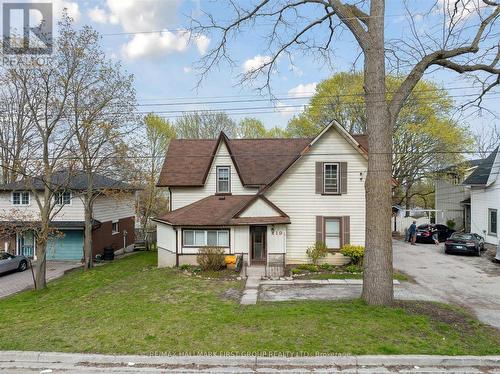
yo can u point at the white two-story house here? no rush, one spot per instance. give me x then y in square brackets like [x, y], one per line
[266, 199]
[484, 184]
[113, 216]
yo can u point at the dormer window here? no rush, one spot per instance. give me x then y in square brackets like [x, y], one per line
[331, 178]
[21, 198]
[223, 179]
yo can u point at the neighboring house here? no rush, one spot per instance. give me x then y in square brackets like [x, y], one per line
[267, 199]
[113, 220]
[452, 198]
[484, 183]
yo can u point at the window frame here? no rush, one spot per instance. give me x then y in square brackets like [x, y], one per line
[205, 241]
[492, 210]
[337, 192]
[61, 195]
[113, 231]
[21, 198]
[217, 176]
[341, 237]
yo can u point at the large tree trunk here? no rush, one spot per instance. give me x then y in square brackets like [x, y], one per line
[377, 278]
[41, 259]
[87, 243]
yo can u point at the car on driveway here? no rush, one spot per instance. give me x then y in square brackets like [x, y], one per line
[10, 262]
[425, 232]
[464, 243]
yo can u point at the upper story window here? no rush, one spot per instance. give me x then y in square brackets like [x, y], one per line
[331, 178]
[223, 179]
[63, 198]
[21, 198]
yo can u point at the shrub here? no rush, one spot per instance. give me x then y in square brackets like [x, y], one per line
[211, 258]
[355, 252]
[327, 267]
[451, 223]
[353, 268]
[184, 267]
[308, 267]
[296, 271]
[317, 252]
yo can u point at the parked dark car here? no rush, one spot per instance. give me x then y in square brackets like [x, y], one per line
[464, 243]
[10, 262]
[425, 232]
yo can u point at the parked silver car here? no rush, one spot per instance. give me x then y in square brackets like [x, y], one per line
[10, 262]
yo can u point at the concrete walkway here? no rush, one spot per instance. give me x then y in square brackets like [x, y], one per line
[251, 292]
[50, 362]
[472, 282]
[12, 283]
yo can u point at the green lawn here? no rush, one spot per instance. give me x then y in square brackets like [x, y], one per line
[129, 306]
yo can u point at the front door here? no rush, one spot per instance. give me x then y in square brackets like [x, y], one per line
[258, 243]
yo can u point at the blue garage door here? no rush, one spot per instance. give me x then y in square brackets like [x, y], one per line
[69, 246]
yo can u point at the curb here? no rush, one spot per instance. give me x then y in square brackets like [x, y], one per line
[228, 360]
[344, 282]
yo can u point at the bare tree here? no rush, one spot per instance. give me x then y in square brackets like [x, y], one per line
[463, 41]
[16, 130]
[205, 125]
[100, 113]
[46, 92]
[487, 139]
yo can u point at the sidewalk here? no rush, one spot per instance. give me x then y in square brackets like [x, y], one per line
[51, 362]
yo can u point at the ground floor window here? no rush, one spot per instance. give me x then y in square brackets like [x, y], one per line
[203, 238]
[492, 221]
[332, 233]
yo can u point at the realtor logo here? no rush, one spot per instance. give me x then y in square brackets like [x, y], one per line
[27, 28]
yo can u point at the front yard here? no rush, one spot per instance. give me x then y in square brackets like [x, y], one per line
[130, 306]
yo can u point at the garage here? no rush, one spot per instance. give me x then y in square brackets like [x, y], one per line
[68, 246]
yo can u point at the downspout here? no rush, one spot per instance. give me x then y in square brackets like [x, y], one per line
[176, 248]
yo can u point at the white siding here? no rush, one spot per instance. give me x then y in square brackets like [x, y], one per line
[483, 199]
[166, 245]
[448, 197]
[182, 196]
[276, 238]
[294, 193]
[72, 212]
[241, 235]
[109, 208]
[259, 208]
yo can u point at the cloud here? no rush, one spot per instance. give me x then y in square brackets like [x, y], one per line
[156, 45]
[145, 15]
[71, 7]
[301, 91]
[202, 42]
[98, 15]
[142, 17]
[187, 69]
[460, 10]
[255, 63]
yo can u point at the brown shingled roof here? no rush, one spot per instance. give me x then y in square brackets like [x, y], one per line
[257, 161]
[217, 211]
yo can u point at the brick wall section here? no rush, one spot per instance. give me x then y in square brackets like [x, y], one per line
[103, 237]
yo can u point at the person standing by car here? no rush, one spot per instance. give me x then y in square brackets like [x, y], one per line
[413, 232]
[435, 237]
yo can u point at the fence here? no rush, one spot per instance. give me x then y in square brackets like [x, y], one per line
[401, 224]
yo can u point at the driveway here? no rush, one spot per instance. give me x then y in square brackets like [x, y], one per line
[10, 283]
[472, 282]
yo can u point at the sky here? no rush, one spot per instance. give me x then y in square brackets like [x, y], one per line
[151, 40]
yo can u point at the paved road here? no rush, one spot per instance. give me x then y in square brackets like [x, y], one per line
[473, 282]
[11, 283]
